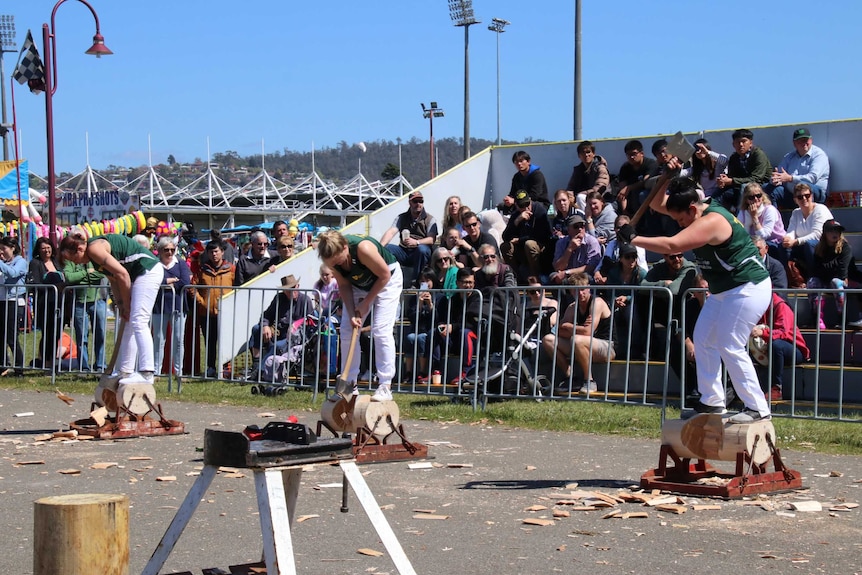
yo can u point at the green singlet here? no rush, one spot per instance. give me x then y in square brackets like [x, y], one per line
[359, 275]
[135, 258]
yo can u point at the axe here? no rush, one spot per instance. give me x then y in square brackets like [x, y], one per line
[343, 387]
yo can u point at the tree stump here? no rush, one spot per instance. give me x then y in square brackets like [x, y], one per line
[81, 535]
[709, 436]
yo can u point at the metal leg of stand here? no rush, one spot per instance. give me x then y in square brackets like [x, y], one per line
[378, 520]
[181, 519]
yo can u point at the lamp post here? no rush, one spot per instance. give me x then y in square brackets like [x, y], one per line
[461, 12]
[49, 56]
[7, 44]
[430, 114]
[498, 25]
[577, 107]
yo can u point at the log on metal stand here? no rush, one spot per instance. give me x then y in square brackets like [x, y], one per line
[86, 533]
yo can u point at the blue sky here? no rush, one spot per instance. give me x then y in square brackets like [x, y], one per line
[290, 73]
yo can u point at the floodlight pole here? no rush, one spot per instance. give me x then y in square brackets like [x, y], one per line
[429, 114]
[7, 44]
[498, 26]
[577, 110]
[461, 12]
[49, 58]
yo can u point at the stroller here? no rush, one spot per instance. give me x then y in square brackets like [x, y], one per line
[297, 356]
[509, 372]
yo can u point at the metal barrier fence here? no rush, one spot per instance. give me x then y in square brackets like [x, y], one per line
[501, 344]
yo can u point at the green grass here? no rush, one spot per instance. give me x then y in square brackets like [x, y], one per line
[581, 416]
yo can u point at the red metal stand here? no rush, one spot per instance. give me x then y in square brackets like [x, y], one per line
[127, 424]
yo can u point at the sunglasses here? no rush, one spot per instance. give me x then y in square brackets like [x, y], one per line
[261, 244]
[472, 225]
[489, 256]
[417, 201]
[169, 250]
[632, 257]
[675, 256]
[802, 196]
[755, 197]
[532, 292]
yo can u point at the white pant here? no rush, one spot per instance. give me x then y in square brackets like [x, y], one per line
[721, 333]
[137, 342]
[385, 312]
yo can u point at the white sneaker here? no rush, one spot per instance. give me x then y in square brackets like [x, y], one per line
[111, 381]
[588, 387]
[365, 376]
[383, 393]
[136, 378]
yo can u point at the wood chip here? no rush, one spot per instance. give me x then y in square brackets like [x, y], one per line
[24, 414]
[806, 505]
[70, 434]
[234, 475]
[64, 398]
[538, 521]
[302, 518]
[69, 471]
[167, 478]
[369, 552]
[424, 511]
[635, 515]
[140, 458]
[611, 514]
[460, 465]
[836, 474]
[266, 414]
[100, 415]
[561, 513]
[430, 516]
[656, 501]
[104, 465]
[535, 508]
[844, 507]
[31, 462]
[671, 508]
[421, 465]
[44, 437]
[530, 468]
[706, 507]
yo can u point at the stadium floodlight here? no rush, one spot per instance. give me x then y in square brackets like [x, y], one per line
[461, 12]
[498, 25]
[429, 114]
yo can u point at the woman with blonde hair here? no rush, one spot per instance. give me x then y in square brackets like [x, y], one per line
[369, 277]
[452, 215]
[759, 216]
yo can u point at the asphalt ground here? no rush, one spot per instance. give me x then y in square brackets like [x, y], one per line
[485, 480]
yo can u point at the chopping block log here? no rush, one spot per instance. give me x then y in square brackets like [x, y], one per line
[78, 534]
[710, 436]
[381, 418]
[133, 396]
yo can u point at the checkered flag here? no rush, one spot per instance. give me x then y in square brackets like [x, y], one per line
[30, 68]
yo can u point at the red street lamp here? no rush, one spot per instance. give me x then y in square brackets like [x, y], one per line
[49, 47]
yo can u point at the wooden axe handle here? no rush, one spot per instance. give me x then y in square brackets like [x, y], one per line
[351, 349]
[116, 352]
[660, 185]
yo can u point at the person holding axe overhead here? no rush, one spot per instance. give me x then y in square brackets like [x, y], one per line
[135, 276]
[739, 285]
[369, 277]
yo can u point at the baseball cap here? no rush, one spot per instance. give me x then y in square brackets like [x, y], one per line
[574, 219]
[801, 133]
[832, 226]
[627, 250]
[522, 198]
[414, 195]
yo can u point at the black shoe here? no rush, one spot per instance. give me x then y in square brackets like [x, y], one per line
[702, 408]
[729, 395]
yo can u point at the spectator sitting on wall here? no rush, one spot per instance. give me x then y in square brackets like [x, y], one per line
[416, 232]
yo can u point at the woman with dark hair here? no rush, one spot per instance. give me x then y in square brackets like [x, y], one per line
[135, 276]
[738, 281]
[13, 269]
[44, 270]
[706, 165]
[833, 258]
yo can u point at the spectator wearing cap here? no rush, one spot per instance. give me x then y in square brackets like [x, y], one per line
[150, 230]
[272, 334]
[806, 164]
[626, 272]
[748, 163]
[803, 232]
[255, 262]
[526, 237]
[612, 253]
[833, 258]
[529, 178]
[416, 232]
[576, 253]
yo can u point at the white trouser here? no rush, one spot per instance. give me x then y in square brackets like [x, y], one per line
[721, 333]
[384, 313]
[137, 342]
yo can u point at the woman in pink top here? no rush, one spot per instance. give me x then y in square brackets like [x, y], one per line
[760, 217]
